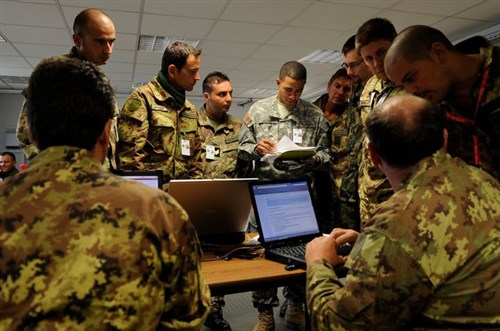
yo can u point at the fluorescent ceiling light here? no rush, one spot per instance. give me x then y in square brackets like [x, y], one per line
[323, 56]
[159, 43]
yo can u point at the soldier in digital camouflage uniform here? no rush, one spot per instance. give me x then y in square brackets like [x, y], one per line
[158, 126]
[94, 36]
[428, 258]
[83, 249]
[267, 121]
[466, 83]
[219, 133]
[348, 191]
[327, 185]
[373, 39]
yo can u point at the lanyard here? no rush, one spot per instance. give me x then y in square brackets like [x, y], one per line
[461, 119]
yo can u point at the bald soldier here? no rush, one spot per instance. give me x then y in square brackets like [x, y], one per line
[81, 248]
[465, 82]
[94, 37]
[428, 258]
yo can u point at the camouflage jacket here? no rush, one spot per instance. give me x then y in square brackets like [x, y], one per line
[31, 150]
[222, 143]
[428, 258]
[487, 128]
[152, 129]
[374, 187]
[83, 249]
[263, 121]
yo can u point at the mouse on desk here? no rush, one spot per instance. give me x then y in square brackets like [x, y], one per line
[290, 267]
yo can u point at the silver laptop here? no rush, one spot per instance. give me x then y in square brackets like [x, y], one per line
[152, 178]
[218, 208]
[286, 219]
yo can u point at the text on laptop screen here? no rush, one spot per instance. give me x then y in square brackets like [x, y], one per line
[285, 210]
[146, 180]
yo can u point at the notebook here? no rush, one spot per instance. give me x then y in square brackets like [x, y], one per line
[286, 219]
[218, 208]
[153, 178]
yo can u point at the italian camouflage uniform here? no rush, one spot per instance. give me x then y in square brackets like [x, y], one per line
[263, 121]
[327, 186]
[348, 192]
[83, 249]
[224, 141]
[31, 150]
[487, 125]
[152, 128]
[428, 259]
[374, 187]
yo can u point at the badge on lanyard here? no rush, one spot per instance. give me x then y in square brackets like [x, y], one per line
[210, 152]
[297, 136]
[185, 149]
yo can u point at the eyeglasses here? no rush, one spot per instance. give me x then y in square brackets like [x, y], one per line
[351, 65]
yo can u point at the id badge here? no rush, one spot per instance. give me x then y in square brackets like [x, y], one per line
[297, 136]
[185, 150]
[210, 152]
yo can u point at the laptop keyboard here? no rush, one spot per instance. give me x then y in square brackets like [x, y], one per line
[295, 251]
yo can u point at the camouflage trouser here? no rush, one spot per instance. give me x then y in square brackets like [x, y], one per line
[216, 303]
[349, 215]
[269, 297]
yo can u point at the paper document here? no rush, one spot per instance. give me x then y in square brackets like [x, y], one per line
[288, 150]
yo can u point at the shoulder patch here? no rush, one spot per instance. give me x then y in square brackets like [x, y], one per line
[247, 118]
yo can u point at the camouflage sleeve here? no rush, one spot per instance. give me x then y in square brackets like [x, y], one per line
[384, 287]
[323, 151]
[248, 141]
[187, 296]
[197, 165]
[22, 130]
[133, 126]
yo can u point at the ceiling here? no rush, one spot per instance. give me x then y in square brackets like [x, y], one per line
[249, 40]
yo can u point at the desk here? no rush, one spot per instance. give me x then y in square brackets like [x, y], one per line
[241, 275]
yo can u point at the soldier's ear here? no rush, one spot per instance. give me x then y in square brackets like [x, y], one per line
[172, 70]
[77, 40]
[377, 160]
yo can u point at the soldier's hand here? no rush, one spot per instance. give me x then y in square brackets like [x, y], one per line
[323, 248]
[345, 236]
[265, 146]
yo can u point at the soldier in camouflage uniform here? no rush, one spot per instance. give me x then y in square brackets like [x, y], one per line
[83, 249]
[219, 133]
[372, 41]
[429, 257]
[94, 36]
[266, 122]
[466, 84]
[348, 192]
[327, 185]
[158, 126]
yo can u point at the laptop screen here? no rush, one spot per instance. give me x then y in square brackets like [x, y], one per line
[150, 178]
[285, 210]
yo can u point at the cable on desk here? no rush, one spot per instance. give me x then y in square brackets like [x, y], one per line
[231, 253]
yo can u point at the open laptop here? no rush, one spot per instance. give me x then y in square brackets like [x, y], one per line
[153, 178]
[286, 219]
[218, 208]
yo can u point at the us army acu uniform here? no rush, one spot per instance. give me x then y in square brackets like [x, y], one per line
[461, 130]
[348, 191]
[31, 150]
[219, 144]
[83, 249]
[427, 260]
[156, 132]
[263, 121]
[374, 187]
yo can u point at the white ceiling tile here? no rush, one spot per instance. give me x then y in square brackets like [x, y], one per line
[366, 3]
[42, 51]
[486, 11]
[129, 5]
[456, 28]
[223, 63]
[444, 7]
[283, 53]
[267, 12]
[126, 41]
[118, 67]
[149, 58]
[186, 8]
[115, 76]
[39, 35]
[147, 69]
[332, 16]
[242, 32]
[14, 61]
[30, 14]
[6, 49]
[144, 77]
[312, 38]
[122, 56]
[227, 48]
[269, 65]
[14, 71]
[125, 22]
[158, 25]
[402, 20]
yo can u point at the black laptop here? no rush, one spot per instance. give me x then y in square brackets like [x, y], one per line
[286, 219]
